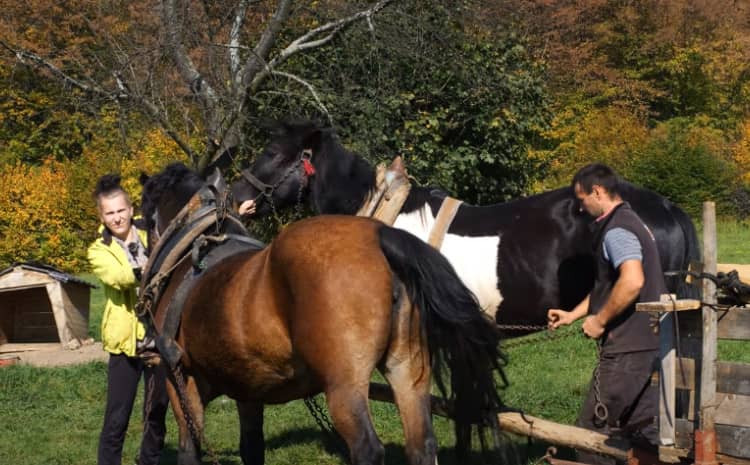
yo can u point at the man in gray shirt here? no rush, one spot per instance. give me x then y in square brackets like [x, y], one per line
[628, 271]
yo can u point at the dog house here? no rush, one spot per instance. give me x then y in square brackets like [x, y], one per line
[40, 304]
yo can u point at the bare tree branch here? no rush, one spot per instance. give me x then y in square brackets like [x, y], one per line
[221, 83]
[310, 87]
[234, 43]
[306, 42]
[187, 69]
[257, 60]
[24, 56]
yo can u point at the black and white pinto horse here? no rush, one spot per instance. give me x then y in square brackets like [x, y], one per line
[520, 258]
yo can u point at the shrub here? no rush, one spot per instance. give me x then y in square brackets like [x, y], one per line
[688, 162]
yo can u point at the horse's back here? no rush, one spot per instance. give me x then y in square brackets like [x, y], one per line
[338, 292]
[332, 258]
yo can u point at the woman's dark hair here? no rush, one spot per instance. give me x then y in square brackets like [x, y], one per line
[108, 185]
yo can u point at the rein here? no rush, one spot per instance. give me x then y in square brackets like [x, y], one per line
[267, 190]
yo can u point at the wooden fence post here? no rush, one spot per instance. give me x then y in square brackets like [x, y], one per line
[705, 433]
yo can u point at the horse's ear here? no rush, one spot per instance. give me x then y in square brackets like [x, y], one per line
[314, 139]
[143, 178]
[222, 162]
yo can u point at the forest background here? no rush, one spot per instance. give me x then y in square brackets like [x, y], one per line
[489, 100]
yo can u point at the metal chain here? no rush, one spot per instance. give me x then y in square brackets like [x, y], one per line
[320, 416]
[600, 410]
[318, 413]
[148, 404]
[547, 336]
[189, 420]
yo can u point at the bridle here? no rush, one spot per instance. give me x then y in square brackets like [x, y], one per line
[266, 190]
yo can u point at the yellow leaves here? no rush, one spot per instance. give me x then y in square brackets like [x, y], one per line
[33, 213]
[47, 213]
[610, 135]
[741, 154]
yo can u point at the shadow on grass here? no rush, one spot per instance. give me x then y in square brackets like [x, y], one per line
[514, 450]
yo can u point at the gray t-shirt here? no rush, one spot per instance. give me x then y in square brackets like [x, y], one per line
[621, 245]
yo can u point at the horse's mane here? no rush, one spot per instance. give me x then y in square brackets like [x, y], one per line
[176, 178]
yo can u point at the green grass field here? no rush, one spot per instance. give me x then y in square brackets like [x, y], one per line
[52, 416]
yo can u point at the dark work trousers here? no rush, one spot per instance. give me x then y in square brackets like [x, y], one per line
[123, 375]
[632, 402]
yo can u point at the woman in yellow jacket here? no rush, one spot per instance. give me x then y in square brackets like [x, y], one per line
[116, 258]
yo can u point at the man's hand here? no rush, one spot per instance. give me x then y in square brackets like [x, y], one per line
[247, 208]
[557, 318]
[593, 327]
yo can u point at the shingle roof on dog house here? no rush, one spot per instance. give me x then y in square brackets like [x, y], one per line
[39, 303]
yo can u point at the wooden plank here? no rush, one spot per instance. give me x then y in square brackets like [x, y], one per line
[685, 373]
[734, 323]
[678, 305]
[23, 279]
[671, 454]
[729, 460]
[563, 435]
[707, 384]
[731, 440]
[733, 409]
[733, 378]
[667, 379]
[526, 425]
[28, 347]
[684, 434]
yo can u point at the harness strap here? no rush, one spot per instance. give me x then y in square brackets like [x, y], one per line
[392, 187]
[190, 210]
[224, 246]
[444, 218]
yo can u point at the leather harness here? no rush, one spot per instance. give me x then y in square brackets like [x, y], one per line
[392, 187]
[188, 234]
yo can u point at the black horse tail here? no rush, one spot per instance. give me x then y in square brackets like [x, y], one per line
[692, 253]
[463, 342]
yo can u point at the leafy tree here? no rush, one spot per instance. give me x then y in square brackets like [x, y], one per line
[687, 161]
[610, 135]
[460, 107]
[35, 121]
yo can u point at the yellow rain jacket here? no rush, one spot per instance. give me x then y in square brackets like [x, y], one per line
[120, 325]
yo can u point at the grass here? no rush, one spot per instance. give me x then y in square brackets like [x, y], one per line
[53, 416]
[733, 241]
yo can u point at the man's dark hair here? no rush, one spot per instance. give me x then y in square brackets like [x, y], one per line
[107, 185]
[597, 174]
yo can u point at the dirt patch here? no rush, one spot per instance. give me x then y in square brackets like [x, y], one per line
[52, 355]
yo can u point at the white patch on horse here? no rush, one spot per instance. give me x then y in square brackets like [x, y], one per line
[474, 258]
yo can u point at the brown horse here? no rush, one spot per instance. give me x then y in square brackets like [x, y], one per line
[330, 300]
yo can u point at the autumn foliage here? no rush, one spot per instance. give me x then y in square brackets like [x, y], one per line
[47, 213]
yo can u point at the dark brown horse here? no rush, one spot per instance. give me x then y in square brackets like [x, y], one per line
[330, 300]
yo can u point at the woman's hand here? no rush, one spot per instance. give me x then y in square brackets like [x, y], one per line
[247, 208]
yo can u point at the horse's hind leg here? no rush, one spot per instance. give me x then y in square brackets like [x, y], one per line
[252, 444]
[407, 369]
[351, 416]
